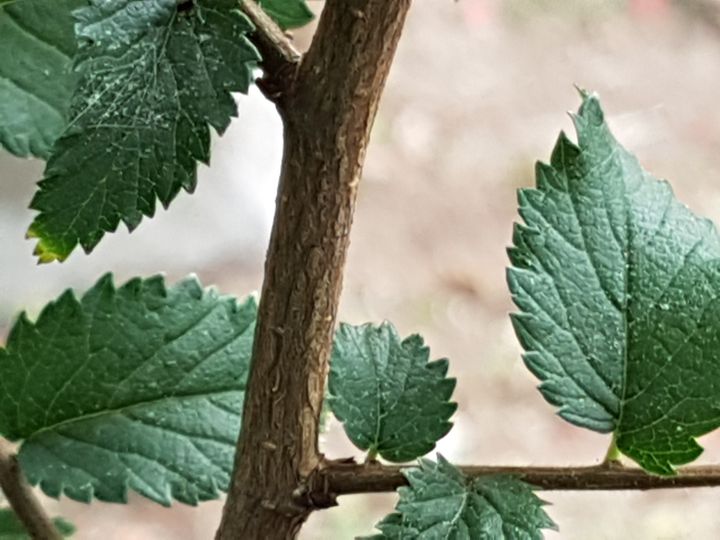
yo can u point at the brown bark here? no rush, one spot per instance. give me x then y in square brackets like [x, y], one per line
[280, 58]
[328, 110]
[339, 478]
[22, 499]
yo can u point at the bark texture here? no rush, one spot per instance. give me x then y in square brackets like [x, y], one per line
[338, 478]
[328, 110]
[22, 499]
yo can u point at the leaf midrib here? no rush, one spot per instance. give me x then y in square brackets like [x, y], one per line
[125, 408]
[627, 299]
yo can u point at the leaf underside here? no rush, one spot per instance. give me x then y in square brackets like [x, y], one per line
[288, 13]
[392, 401]
[441, 503]
[617, 284]
[37, 44]
[138, 387]
[12, 529]
[155, 76]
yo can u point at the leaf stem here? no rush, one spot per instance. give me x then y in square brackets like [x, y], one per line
[613, 455]
[21, 497]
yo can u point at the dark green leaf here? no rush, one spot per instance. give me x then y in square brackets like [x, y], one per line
[37, 43]
[618, 285]
[392, 401]
[441, 503]
[288, 13]
[155, 74]
[12, 529]
[137, 387]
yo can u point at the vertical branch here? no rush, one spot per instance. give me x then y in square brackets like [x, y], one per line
[21, 498]
[328, 110]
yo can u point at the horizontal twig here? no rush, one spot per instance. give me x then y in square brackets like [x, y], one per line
[340, 478]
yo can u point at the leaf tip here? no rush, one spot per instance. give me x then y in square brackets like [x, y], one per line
[584, 92]
[45, 250]
[107, 279]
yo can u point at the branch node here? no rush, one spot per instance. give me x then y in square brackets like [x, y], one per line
[612, 465]
[280, 58]
[314, 499]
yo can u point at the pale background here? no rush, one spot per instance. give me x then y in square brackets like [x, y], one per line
[478, 93]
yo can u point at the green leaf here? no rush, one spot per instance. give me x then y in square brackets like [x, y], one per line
[288, 13]
[12, 529]
[618, 284]
[155, 74]
[137, 387]
[441, 503]
[37, 44]
[392, 529]
[391, 400]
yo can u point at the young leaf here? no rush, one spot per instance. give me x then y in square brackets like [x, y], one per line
[12, 529]
[37, 44]
[618, 284]
[288, 13]
[155, 74]
[391, 400]
[441, 502]
[137, 387]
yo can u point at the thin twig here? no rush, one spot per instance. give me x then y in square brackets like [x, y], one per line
[338, 478]
[21, 497]
[274, 41]
[280, 58]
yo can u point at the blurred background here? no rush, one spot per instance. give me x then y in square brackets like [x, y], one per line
[478, 92]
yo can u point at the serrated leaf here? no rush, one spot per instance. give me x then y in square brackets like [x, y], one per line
[156, 75]
[392, 401]
[391, 527]
[288, 13]
[441, 503]
[37, 44]
[139, 386]
[12, 529]
[618, 284]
